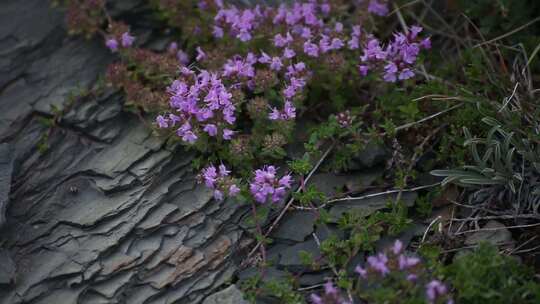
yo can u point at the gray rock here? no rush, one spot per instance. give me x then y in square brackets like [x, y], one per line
[496, 233]
[290, 257]
[6, 168]
[331, 184]
[373, 154]
[369, 205]
[270, 273]
[229, 295]
[310, 279]
[109, 213]
[295, 226]
[7, 268]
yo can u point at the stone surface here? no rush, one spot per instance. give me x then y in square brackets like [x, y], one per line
[369, 205]
[295, 226]
[331, 184]
[6, 168]
[229, 295]
[7, 268]
[108, 212]
[495, 233]
[373, 154]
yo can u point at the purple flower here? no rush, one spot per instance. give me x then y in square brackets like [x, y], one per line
[217, 32]
[300, 66]
[200, 54]
[390, 71]
[356, 31]
[364, 69]
[315, 299]
[407, 262]
[378, 8]
[112, 44]
[220, 181]
[289, 111]
[211, 129]
[281, 41]
[265, 58]
[415, 30]
[378, 263]
[285, 181]
[127, 40]
[288, 53]
[239, 66]
[338, 27]
[373, 51]
[218, 195]
[331, 296]
[325, 8]
[162, 121]
[266, 186]
[426, 43]
[329, 288]
[353, 43]
[398, 246]
[234, 190]
[289, 91]
[311, 49]
[306, 33]
[209, 175]
[173, 47]
[275, 114]
[276, 64]
[182, 57]
[223, 171]
[227, 134]
[435, 289]
[324, 44]
[244, 36]
[189, 137]
[406, 74]
[361, 271]
[412, 277]
[336, 44]
[196, 103]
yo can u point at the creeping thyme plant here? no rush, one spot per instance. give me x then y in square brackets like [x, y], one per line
[244, 84]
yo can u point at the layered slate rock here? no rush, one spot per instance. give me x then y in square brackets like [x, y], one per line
[100, 210]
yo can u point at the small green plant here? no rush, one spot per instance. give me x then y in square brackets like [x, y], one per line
[485, 276]
[255, 288]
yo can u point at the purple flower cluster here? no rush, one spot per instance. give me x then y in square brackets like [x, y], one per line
[201, 103]
[126, 41]
[380, 264]
[220, 181]
[396, 263]
[436, 290]
[331, 296]
[180, 54]
[267, 186]
[241, 68]
[241, 23]
[295, 75]
[378, 7]
[397, 58]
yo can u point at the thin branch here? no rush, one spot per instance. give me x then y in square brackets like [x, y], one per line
[408, 125]
[358, 198]
[498, 228]
[509, 33]
[435, 220]
[497, 217]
